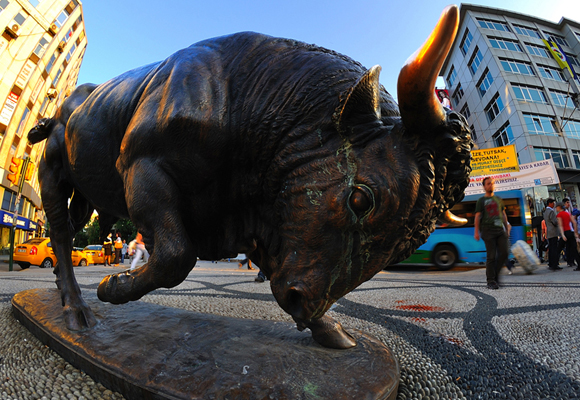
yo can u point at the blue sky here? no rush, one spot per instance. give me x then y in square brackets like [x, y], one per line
[123, 35]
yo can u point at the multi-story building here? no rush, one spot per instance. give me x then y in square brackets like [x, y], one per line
[42, 43]
[504, 80]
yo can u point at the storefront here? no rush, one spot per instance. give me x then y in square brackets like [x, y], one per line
[25, 229]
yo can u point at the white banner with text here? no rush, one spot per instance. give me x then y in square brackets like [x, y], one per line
[539, 173]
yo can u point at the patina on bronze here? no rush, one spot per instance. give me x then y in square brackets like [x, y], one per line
[247, 143]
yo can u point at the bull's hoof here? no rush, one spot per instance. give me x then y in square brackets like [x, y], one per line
[79, 317]
[117, 288]
[328, 333]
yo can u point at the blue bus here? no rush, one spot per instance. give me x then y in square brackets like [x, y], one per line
[448, 246]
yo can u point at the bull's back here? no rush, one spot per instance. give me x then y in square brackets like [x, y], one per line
[93, 136]
[190, 112]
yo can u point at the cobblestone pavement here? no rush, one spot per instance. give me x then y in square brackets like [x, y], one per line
[453, 337]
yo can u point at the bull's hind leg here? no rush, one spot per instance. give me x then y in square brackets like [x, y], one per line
[153, 201]
[64, 222]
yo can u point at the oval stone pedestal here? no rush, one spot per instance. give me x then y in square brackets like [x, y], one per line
[147, 351]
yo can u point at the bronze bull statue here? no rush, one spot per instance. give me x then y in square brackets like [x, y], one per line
[248, 143]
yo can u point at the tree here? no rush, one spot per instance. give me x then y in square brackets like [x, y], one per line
[81, 239]
[92, 230]
[126, 228]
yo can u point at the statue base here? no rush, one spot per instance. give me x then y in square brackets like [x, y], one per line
[144, 350]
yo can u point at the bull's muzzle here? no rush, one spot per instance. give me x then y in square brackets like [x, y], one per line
[295, 303]
[309, 313]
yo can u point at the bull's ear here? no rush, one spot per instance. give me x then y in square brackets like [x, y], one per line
[361, 103]
[40, 131]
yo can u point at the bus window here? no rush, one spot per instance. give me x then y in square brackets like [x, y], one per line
[513, 211]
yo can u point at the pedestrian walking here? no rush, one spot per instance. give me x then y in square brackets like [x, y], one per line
[568, 235]
[118, 248]
[492, 226]
[124, 251]
[108, 248]
[552, 232]
[567, 207]
[246, 260]
[140, 250]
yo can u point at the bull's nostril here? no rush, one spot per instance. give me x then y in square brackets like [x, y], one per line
[294, 303]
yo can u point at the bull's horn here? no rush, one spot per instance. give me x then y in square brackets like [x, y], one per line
[451, 219]
[418, 104]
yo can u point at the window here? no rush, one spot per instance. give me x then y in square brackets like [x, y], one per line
[556, 38]
[551, 73]
[43, 107]
[485, 82]
[41, 47]
[572, 60]
[476, 59]
[466, 42]
[78, 22]
[68, 35]
[576, 157]
[58, 75]
[541, 125]
[50, 62]
[9, 202]
[494, 107]
[503, 136]
[559, 156]
[473, 134]
[561, 99]
[496, 25]
[517, 67]
[451, 76]
[529, 93]
[465, 111]
[457, 95]
[577, 34]
[34, 2]
[561, 41]
[539, 51]
[524, 30]
[19, 18]
[22, 122]
[3, 4]
[572, 129]
[61, 19]
[71, 52]
[505, 44]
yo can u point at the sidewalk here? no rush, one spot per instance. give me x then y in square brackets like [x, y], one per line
[453, 338]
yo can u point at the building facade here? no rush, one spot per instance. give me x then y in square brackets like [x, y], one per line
[502, 77]
[42, 44]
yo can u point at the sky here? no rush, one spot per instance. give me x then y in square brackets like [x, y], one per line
[123, 35]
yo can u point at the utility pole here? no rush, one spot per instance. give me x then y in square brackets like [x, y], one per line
[21, 176]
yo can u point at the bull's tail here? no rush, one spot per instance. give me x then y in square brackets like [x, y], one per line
[40, 131]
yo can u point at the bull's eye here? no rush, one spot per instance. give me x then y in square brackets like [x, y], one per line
[361, 200]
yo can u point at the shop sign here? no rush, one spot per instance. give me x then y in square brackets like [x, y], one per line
[539, 173]
[24, 74]
[8, 219]
[36, 90]
[494, 161]
[8, 108]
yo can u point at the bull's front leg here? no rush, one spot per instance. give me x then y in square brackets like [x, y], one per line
[55, 195]
[153, 201]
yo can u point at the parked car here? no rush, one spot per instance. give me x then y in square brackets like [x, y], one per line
[38, 251]
[94, 253]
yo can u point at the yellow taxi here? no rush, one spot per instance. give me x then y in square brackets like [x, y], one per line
[38, 251]
[94, 253]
